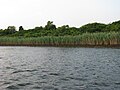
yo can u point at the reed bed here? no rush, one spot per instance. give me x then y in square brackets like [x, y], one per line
[86, 39]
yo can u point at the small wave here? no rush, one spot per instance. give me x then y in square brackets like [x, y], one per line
[77, 78]
[18, 71]
[12, 87]
[43, 82]
[9, 67]
[13, 79]
[30, 70]
[64, 79]
[7, 82]
[54, 74]
[117, 83]
[37, 87]
[24, 84]
[100, 84]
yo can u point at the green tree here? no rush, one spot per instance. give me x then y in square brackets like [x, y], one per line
[115, 26]
[50, 26]
[63, 30]
[38, 29]
[10, 30]
[21, 28]
[93, 27]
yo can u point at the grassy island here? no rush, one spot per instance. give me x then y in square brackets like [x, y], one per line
[92, 34]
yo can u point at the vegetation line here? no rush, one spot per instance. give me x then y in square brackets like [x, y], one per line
[94, 34]
[86, 39]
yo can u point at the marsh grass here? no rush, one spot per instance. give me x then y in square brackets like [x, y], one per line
[86, 39]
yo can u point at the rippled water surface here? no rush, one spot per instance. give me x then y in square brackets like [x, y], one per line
[56, 68]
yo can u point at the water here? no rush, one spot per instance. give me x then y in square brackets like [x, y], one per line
[56, 68]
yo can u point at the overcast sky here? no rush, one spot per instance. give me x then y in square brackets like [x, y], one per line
[32, 13]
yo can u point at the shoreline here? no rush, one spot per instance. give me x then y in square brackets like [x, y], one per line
[72, 46]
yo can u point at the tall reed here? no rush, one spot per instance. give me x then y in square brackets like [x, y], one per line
[90, 39]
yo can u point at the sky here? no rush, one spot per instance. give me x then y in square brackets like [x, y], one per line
[32, 13]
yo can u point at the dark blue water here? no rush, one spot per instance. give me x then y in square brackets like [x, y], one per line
[56, 68]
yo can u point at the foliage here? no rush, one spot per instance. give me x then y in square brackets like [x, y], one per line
[93, 39]
[51, 30]
[93, 27]
[21, 28]
[50, 26]
[115, 26]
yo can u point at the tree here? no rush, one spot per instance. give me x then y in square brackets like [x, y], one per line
[115, 26]
[38, 28]
[50, 26]
[63, 30]
[21, 28]
[10, 30]
[93, 27]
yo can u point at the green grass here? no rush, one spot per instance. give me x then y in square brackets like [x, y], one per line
[90, 39]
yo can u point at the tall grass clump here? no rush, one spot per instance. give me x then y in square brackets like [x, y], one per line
[86, 39]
